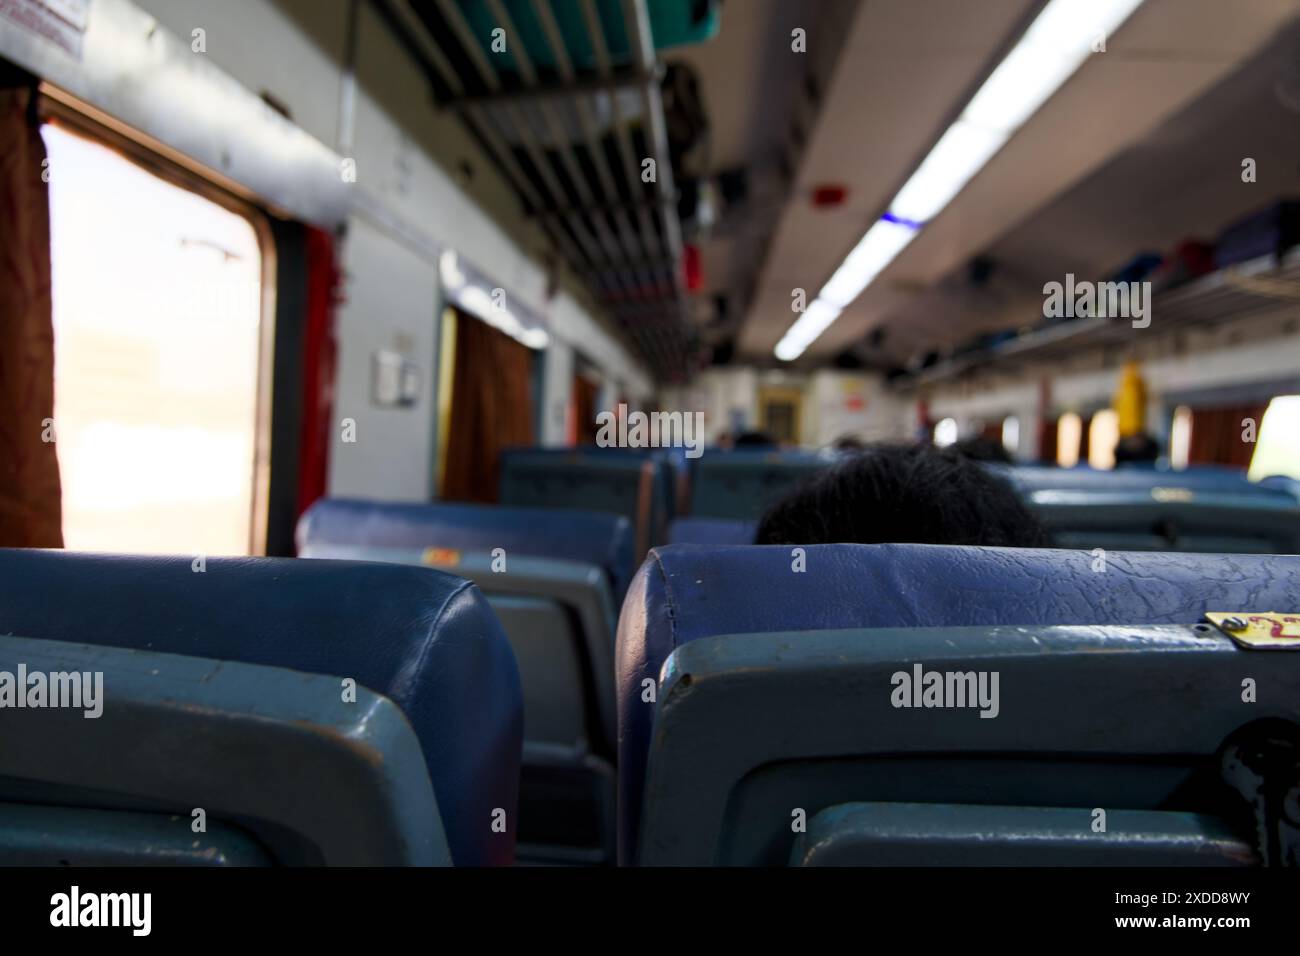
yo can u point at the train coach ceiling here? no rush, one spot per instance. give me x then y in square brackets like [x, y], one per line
[569, 102]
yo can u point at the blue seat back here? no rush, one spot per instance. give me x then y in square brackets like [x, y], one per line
[635, 484]
[737, 611]
[426, 640]
[1171, 520]
[588, 537]
[741, 484]
[711, 531]
[558, 611]
[1197, 480]
[114, 774]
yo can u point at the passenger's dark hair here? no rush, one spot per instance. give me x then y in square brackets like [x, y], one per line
[1136, 449]
[754, 439]
[915, 494]
[979, 448]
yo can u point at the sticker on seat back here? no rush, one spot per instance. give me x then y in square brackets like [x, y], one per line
[1264, 630]
[441, 557]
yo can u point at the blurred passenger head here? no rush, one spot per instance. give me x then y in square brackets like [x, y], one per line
[979, 448]
[849, 443]
[1136, 450]
[754, 439]
[916, 494]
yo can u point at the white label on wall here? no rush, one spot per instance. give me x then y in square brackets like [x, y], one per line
[62, 22]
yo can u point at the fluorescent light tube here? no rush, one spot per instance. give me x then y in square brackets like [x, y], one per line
[1056, 44]
[806, 328]
[873, 252]
[960, 153]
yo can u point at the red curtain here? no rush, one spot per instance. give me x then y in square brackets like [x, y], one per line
[31, 507]
[1217, 435]
[491, 409]
[318, 359]
[1047, 441]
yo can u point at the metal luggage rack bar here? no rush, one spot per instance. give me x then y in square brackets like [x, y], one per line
[1238, 291]
[563, 137]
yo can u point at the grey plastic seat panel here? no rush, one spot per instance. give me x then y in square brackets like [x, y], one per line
[75, 836]
[261, 746]
[556, 777]
[550, 667]
[1205, 522]
[559, 618]
[576, 585]
[937, 834]
[748, 727]
[741, 485]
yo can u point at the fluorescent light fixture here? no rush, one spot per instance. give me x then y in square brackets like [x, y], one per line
[960, 153]
[1056, 44]
[806, 328]
[873, 252]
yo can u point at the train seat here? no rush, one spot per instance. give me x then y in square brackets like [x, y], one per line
[711, 531]
[424, 639]
[586, 537]
[935, 834]
[756, 687]
[551, 586]
[1164, 520]
[636, 484]
[1282, 483]
[1200, 479]
[740, 484]
[186, 761]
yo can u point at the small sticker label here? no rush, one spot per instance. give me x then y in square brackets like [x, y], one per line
[441, 557]
[1268, 629]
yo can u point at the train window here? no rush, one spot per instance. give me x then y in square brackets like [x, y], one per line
[945, 432]
[157, 338]
[1103, 434]
[1180, 438]
[1277, 450]
[1069, 438]
[1011, 434]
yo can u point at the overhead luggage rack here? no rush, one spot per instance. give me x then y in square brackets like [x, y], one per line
[1249, 288]
[570, 111]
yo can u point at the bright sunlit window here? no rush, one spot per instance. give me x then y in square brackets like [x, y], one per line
[1011, 434]
[157, 310]
[1103, 434]
[1180, 438]
[1277, 448]
[1069, 438]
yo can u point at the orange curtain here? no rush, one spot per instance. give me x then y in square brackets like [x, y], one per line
[1216, 435]
[584, 411]
[31, 510]
[491, 409]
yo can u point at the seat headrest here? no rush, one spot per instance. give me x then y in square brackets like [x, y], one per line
[683, 593]
[598, 538]
[424, 639]
[711, 531]
[1031, 478]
